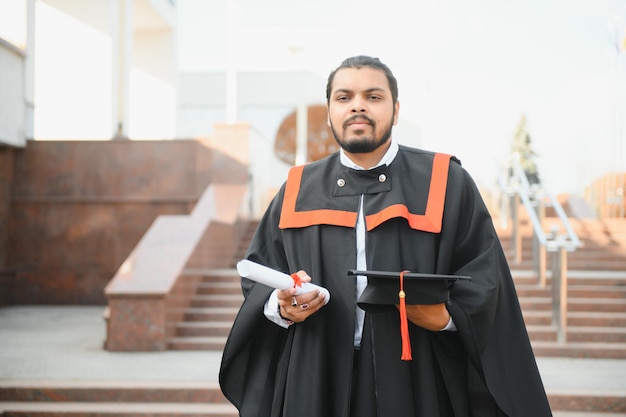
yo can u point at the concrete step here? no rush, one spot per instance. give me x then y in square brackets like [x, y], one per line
[597, 304]
[578, 334]
[578, 318]
[537, 318]
[211, 314]
[574, 291]
[589, 242]
[596, 318]
[587, 404]
[107, 391]
[615, 265]
[586, 414]
[58, 398]
[197, 343]
[145, 399]
[219, 287]
[203, 328]
[575, 277]
[118, 409]
[576, 304]
[215, 274]
[579, 349]
[217, 300]
[601, 265]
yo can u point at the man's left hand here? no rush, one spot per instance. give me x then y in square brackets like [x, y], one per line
[433, 317]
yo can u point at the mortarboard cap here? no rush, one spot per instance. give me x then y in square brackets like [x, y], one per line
[382, 291]
[385, 290]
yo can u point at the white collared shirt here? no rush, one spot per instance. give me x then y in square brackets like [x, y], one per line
[361, 261]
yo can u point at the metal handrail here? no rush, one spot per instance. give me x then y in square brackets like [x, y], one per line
[518, 189]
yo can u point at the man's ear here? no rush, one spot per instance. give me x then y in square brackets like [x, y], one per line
[396, 113]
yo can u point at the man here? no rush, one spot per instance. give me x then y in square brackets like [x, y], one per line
[376, 205]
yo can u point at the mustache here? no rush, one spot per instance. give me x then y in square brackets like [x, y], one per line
[358, 116]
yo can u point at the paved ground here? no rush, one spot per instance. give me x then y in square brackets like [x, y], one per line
[66, 343]
[53, 343]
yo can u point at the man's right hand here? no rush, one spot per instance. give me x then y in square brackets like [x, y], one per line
[298, 308]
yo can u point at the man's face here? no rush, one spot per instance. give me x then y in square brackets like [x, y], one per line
[361, 111]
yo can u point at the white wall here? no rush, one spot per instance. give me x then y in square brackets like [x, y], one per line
[15, 67]
[153, 86]
[78, 71]
[12, 98]
[73, 70]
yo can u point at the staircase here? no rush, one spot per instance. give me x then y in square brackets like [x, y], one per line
[596, 289]
[208, 319]
[596, 292]
[597, 323]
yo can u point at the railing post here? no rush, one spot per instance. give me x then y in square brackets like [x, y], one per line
[505, 212]
[541, 272]
[516, 235]
[559, 293]
[539, 250]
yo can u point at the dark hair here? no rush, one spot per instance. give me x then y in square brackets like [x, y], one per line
[360, 62]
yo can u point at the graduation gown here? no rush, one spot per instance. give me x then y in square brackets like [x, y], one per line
[423, 213]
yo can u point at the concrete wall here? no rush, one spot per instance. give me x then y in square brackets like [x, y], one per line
[6, 178]
[77, 208]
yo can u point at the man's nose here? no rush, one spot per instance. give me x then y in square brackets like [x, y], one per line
[358, 106]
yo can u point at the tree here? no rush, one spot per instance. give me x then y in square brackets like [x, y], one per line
[522, 146]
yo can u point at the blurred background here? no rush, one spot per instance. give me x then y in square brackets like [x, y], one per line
[141, 140]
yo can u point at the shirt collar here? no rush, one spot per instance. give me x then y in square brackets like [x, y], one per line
[387, 158]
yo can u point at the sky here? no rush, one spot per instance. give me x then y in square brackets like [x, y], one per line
[467, 71]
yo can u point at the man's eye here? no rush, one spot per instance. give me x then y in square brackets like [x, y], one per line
[343, 98]
[374, 98]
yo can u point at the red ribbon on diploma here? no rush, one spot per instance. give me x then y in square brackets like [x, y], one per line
[297, 282]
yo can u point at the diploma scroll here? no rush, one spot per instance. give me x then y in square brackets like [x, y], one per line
[275, 279]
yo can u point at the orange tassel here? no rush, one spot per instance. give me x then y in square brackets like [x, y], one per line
[404, 323]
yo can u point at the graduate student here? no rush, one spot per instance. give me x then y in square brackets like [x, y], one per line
[443, 347]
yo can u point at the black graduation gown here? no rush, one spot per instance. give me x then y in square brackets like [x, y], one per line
[486, 368]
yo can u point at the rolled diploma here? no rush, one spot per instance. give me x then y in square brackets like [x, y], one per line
[275, 279]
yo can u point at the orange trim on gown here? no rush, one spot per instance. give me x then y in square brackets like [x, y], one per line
[430, 221]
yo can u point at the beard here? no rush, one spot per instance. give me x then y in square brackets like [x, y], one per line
[365, 144]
